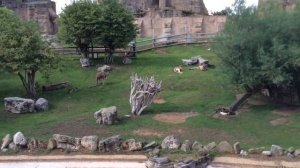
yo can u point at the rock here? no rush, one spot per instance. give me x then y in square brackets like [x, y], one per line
[210, 146]
[33, 144]
[51, 144]
[6, 141]
[150, 145]
[186, 146]
[18, 105]
[78, 142]
[106, 116]
[266, 153]
[297, 152]
[132, 145]
[104, 68]
[290, 156]
[12, 146]
[256, 150]
[159, 162]
[67, 147]
[154, 153]
[291, 150]
[19, 139]
[224, 147]
[85, 62]
[244, 153]
[189, 62]
[237, 148]
[4, 150]
[90, 142]
[41, 105]
[196, 146]
[277, 150]
[202, 151]
[63, 139]
[170, 142]
[110, 144]
[186, 164]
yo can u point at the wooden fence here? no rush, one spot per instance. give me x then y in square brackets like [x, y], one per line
[144, 45]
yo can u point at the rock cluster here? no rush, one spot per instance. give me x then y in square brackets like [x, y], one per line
[19, 105]
[106, 116]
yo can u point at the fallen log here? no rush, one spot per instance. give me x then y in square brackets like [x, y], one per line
[236, 104]
[57, 86]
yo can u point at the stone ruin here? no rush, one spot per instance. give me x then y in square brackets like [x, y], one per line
[42, 12]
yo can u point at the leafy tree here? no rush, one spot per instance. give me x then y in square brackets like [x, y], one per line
[78, 23]
[261, 49]
[22, 50]
[223, 12]
[117, 27]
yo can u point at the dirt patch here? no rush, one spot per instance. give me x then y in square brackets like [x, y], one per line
[279, 121]
[174, 118]
[147, 132]
[159, 100]
[286, 111]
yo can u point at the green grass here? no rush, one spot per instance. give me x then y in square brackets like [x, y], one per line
[72, 112]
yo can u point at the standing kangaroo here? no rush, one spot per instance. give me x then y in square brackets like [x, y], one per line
[101, 76]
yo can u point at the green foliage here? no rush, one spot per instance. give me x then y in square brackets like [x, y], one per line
[117, 28]
[22, 50]
[261, 50]
[78, 23]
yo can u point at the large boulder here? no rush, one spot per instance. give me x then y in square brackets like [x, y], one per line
[41, 104]
[186, 146]
[106, 116]
[110, 144]
[224, 147]
[132, 145]
[171, 142]
[64, 139]
[211, 146]
[19, 139]
[18, 105]
[51, 144]
[6, 141]
[277, 150]
[90, 142]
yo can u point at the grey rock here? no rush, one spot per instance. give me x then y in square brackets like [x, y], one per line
[51, 144]
[196, 146]
[210, 146]
[189, 164]
[64, 139]
[154, 153]
[291, 150]
[6, 141]
[41, 104]
[237, 148]
[132, 145]
[203, 151]
[110, 144]
[297, 152]
[4, 150]
[106, 116]
[18, 105]
[104, 68]
[33, 144]
[159, 162]
[171, 142]
[266, 153]
[277, 150]
[20, 139]
[290, 156]
[13, 146]
[67, 147]
[186, 146]
[256, 150]
[244, 153]
[224, 147]
[85, 62]
[90, 142]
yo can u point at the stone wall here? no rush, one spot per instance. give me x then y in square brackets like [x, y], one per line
[42, 12]
[159, 26]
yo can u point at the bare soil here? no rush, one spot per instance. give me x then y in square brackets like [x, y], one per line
[174, 117]
[159, 100]
[147, 132]
[279, 121]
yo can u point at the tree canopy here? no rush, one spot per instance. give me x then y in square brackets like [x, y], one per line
[261, 49]
[23, 52]
[106, 23]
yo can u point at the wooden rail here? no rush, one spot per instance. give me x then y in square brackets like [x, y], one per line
[145, 45]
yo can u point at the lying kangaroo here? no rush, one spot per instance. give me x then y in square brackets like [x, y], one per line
[101, 76]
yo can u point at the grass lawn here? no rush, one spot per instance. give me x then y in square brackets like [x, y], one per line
[71, 112]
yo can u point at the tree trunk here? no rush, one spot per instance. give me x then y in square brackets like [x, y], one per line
[236, 104]
[28, 81]
[109, 58]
